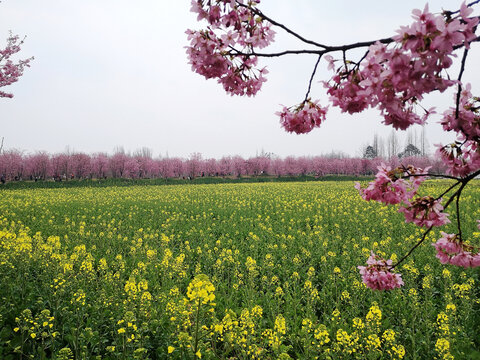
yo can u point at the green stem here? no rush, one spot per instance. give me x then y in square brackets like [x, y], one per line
[195, 348]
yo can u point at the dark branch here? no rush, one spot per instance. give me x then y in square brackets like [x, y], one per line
[316, 52]
[276, 23]
[413, 248]
[456, 196]
[450, 13]
[311, 77]
[282, 53]
[459, 91]
[459, 225]
[448, 190]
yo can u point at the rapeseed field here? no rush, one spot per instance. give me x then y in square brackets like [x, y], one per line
[230, 271]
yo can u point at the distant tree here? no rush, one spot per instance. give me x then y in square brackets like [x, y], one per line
[131, 168]
[194, 165]
[38, 165]
[117, 164]
[61, 164]
[370, 152]
[81, 165]
[99, 164]
[11, 164]
[410, 150]
[392, 144]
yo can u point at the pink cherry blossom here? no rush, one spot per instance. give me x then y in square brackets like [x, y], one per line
[424, 211]
[467, 123]
[303, 118]
[11, 71]
[393, 186]
[377, 274]
[450, 250]
[395, 79]
[461, 158]
[213, 53]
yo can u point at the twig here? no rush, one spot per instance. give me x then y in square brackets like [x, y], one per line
[412, 249]
[276, 23]
[448, 190]
[316, 52]
[462, 69]
[311, 77]
[456, 195]
[449, 13]
[459, 227]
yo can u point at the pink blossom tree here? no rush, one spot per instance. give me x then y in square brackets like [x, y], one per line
[62, 165]
[38, 165]
[131, 168]
[11, 70]
[393, 76]
[11, 164]
[99, 164]
[116, 164]
[81, 165]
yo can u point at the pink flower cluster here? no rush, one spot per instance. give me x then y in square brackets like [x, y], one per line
[467, 124]
[450, 250]
[212, 53]
[393, 186]
[303, 118]
[461, 158]
[9, 70]
[399, 186]
[425, 211]
[394, 79]
[377, 274]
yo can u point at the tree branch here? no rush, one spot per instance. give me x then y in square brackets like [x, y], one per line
[456, 196]
[311, 77]
[450, 13]
[316, 52]
[459, 91]
[412, 249]
[276, 23]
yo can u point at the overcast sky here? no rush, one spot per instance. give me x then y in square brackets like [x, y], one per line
[114, 73]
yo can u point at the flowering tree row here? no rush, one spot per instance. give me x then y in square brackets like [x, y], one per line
[393, 76]
[14, 165]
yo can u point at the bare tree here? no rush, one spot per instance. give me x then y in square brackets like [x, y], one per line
[423, 142]
[392, 146]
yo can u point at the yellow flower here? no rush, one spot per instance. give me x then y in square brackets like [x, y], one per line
[201, 289]
[280, 326]
[170, 349]
[121, 330]
[442, 346]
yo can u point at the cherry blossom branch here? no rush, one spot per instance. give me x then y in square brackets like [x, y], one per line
[412, 249]
[448, 190]
[459, 91]
[459, 225]
[327, 49]
[278, 54]
[450, 13]
[431, 175]
[311, 77]
[276, 23]
[456, 196]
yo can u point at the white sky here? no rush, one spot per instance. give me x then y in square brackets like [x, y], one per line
[110, 73]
